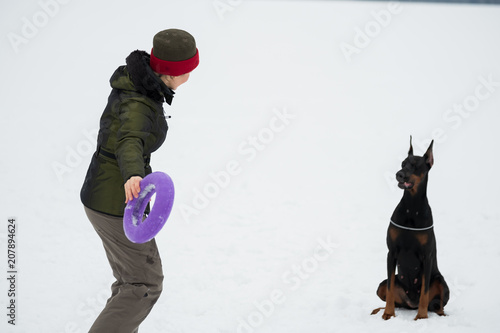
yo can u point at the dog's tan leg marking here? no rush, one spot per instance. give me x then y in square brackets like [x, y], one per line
[389, 303]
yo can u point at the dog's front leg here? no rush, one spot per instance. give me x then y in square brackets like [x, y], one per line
[423, 304]
[390, 298]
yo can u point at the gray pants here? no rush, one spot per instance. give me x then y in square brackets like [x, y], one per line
[138, 272]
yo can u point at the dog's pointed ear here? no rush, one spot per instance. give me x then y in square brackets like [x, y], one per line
[429, 155]
[410, 152]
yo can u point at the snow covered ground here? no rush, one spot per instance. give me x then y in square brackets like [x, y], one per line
[283, 148]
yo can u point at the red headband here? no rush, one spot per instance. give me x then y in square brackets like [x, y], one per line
[174, 68]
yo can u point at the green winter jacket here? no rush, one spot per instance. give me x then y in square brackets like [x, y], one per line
[132, 126]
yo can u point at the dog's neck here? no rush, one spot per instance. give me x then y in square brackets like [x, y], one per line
[414, 206]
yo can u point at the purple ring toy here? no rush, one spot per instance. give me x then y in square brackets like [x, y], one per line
[137, 230]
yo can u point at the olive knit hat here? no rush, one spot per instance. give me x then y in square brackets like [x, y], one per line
[174, 52]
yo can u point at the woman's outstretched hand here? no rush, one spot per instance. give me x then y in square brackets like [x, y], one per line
[132, 188]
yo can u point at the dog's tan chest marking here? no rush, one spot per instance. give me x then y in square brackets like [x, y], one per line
[422, 238]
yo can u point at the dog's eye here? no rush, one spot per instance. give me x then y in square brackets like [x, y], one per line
[403, 164]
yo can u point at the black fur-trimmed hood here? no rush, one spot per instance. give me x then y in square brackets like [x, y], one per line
[145, 80]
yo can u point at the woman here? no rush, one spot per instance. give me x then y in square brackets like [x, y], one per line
[133, 126]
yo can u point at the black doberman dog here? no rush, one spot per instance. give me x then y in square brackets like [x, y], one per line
[412, 246]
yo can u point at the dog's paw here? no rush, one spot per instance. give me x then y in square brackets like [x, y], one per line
[388, 315]
[441, 313]
[421, 316]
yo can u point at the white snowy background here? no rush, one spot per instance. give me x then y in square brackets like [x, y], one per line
[246, 254]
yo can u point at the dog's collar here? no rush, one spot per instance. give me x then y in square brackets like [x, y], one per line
[412, 229]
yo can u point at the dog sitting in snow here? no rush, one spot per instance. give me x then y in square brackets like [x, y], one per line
[418, 284]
